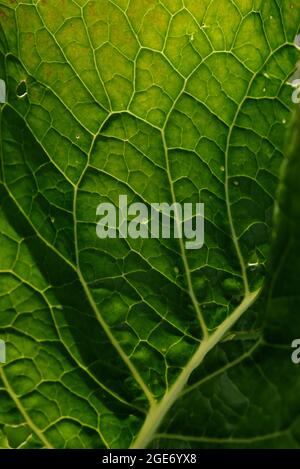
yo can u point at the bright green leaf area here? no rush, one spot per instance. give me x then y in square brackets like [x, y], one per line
[140, 343]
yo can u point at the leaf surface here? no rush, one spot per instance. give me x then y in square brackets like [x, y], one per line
[118, 343]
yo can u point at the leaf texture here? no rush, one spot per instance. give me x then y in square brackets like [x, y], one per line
[119, 343]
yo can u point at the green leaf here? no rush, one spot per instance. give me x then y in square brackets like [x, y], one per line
[122, 343]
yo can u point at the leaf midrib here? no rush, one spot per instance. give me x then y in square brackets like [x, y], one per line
[158, 411]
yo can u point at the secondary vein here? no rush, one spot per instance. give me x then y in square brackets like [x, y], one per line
[23, 411]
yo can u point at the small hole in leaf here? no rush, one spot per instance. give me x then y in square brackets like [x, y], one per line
[22, 89]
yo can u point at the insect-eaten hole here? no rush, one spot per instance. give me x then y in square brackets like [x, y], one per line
[22, 89]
